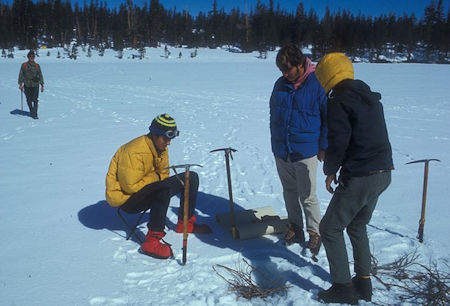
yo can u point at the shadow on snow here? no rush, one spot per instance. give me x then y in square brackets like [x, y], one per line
[20, 112]
[258, 251]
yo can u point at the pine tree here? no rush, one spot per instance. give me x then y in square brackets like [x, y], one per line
[433, 26]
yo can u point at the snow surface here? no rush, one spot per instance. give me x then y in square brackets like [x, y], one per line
[61, 244]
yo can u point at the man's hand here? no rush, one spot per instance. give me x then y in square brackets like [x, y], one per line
[21, 87]
[330, 179]
[42, 88]
[321, 155]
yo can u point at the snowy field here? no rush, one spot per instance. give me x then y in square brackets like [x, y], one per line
[61, 244]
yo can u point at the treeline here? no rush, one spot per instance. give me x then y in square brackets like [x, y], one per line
[53, 23]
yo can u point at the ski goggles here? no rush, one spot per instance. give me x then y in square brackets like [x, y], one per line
[171, 134]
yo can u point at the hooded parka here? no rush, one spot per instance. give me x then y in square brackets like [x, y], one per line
[357, 135]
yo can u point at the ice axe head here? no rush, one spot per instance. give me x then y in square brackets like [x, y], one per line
[227, 151]
[426, 161]
[185, 166]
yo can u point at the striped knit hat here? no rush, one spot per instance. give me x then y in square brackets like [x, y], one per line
[164, 125]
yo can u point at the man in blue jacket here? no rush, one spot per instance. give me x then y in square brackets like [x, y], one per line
[299, 139]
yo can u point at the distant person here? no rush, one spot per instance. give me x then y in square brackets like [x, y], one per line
[299, 138]
[359, 146]
[30, 76]
[138, 180]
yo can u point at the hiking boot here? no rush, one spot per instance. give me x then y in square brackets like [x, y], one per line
[294, 234]
[363, 287]
[314, 243]
[192, 227]
[154, 248]
[339, 293]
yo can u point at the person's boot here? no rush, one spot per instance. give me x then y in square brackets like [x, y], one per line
[35, 116]
[363, 287]
[154, 248]
[294, 234]
[193, 227]
[314, 242]
[339, 293]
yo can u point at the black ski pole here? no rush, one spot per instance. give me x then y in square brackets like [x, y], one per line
[424, 194]
[228, 154]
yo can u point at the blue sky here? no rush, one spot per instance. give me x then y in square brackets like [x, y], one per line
[365, 7]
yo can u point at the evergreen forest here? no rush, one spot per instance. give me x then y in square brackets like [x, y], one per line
[27, 24]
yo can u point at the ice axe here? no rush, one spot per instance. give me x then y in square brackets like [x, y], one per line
[424, 194]
[186, 201]
[228, 154]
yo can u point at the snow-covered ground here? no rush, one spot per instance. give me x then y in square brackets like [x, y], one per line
[61, 244]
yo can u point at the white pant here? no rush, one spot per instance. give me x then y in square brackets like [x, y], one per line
[299, 191]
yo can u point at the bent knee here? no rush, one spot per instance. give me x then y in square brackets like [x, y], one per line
[324, 228]
[328, 229]
[356, 230]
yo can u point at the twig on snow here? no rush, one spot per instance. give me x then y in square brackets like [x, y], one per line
[243, 284]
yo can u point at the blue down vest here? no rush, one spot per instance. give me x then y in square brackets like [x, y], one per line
[298, 119]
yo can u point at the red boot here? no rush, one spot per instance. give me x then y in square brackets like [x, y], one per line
[154, 248]
[192, 227]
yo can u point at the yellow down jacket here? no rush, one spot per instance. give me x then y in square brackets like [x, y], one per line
[134, 165]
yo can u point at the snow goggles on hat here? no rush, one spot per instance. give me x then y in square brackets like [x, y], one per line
[171, 134]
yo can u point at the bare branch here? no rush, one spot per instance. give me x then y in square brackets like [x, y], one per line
[417, 282]
[242, 283]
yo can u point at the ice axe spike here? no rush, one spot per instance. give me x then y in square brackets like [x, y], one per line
[424, 194]
[186, 202]
[228, 154]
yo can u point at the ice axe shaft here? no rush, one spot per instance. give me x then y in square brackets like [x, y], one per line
[186, 203]
[185, 215]
[424, 194]
[228, 154]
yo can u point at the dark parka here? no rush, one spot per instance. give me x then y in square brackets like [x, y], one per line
[357, 135]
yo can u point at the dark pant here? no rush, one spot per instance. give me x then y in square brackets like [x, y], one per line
[32, 94]
[156, 197]
[351, 207]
